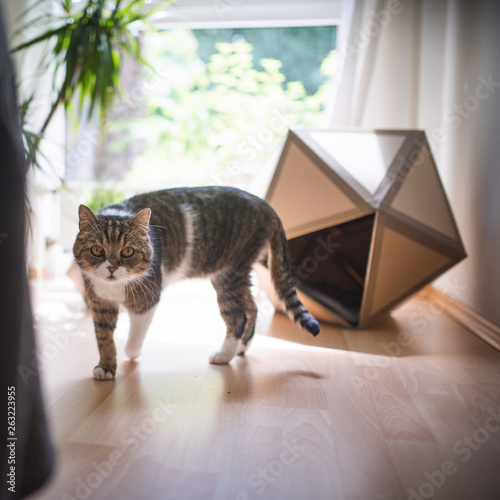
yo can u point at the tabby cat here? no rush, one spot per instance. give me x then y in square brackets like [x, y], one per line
[129, 251]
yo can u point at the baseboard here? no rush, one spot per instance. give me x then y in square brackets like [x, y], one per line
[480, 326]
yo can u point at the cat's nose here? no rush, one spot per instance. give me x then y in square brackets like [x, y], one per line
[112, 269]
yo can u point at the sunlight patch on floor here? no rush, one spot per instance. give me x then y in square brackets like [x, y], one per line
[188, 314]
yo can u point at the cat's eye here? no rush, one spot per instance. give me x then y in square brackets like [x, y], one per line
[97, 251]
[127, 252]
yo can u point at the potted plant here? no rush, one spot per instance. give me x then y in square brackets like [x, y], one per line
[85, 43]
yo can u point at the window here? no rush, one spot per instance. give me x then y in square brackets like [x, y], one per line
[219, 100]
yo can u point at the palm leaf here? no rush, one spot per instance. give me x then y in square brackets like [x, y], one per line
[44, 36]
[87, 47]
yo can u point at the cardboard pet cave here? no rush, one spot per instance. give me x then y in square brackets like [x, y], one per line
[366, 217]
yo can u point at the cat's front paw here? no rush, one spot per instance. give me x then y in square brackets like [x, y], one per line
[132, 352]
[220, 358]
[244, 348]
[100, 373]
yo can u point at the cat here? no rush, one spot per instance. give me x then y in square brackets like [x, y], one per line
[129, 251]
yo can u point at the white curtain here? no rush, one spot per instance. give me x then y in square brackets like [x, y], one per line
[433, 65]
[379, 45]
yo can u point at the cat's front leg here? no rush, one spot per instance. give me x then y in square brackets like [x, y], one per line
[105, 315]
[227, 352]
[139, 324]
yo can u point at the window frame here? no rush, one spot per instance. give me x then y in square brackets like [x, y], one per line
[209, 14]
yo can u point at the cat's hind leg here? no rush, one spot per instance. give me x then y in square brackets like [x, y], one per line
[248, 334]
[139, 325]
[238, 312]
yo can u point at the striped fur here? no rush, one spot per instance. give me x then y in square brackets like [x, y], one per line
[212, 232]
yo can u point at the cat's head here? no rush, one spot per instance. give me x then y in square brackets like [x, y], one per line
[113, 248]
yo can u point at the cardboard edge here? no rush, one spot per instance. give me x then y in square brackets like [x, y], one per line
[320, 312]
[320, 224]
[410, 293]
[279, 167]
[331, 168]
[375, 246]
[393, 180]
[454, 256]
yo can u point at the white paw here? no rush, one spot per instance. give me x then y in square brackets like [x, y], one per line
[132, 352]
[102, 374]
[219, 358]
[244, 348]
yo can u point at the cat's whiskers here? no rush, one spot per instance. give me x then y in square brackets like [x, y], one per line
[129, 287]
[147, 292]
[146, 282]
[150, 273]
[145, 286]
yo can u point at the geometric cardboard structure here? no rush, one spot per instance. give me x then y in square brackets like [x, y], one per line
[366, 218]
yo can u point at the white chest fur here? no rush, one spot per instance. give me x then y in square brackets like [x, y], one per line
[114, 292]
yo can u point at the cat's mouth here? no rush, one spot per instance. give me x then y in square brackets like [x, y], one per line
[111, 277]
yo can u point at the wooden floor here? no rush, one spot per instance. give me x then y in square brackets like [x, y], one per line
[408, 409]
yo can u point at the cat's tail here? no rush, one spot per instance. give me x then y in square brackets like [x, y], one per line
[281, 275]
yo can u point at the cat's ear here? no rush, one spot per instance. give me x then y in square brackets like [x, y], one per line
[141, 219]
[87, 219]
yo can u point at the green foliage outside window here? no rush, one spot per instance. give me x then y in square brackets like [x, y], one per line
[102, 196]
[212, 123]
